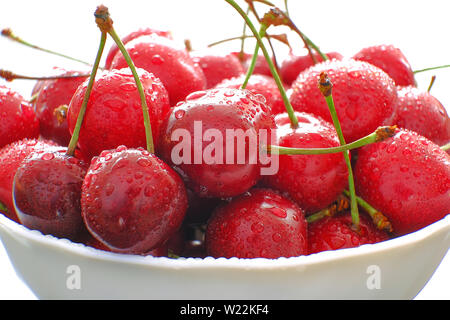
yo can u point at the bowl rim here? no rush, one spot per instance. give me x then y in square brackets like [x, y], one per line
[84, 251]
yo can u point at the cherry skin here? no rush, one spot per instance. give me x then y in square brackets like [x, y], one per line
[131, 36]
[336, 232]
[114, 112]
[259, 84]
[132, 202]
[421, 112]
[390, 59]
[53, 94]
[364, 95]
[47, 192]
[312, 181]
[258, 224]
[19, 119]
[11, 158]
[217, 66]
[213, 169]
[407, 178]
[293, 64]
[166, 60]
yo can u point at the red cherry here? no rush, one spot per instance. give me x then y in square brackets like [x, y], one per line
[166, 60]
[258, 224]
[114, 113]
[217, 66]
[11, 157]
[212, 168]
[18, 118]
[421, 112]
[391, 60]
[53, 94]
[364, 95]
[336, 232]
[259, 84]
[407, 178]
[294, 64]
[132, 202]
[47, 192]
[313, 181]
[133, 35]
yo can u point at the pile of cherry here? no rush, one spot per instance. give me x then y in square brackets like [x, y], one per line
[116, 195]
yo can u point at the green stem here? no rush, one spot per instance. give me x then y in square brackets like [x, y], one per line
[10, 35]
[433, 79]
[432, 68]
[279, 37]
[244, 30]
[76, 132]
[147, 123]
[251, 68]
[376, 136]
[287, 103]
[446, 147]
[3, 208]
[10, 76]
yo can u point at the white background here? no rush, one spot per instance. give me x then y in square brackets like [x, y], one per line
[419, 28]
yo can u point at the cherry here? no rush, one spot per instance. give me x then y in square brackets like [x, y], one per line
[114, 115]
[336, 232]
[260, 223]
[217, 66]
[259, 84]
[53, 94]
[224, 166]
[390, 59]
[166, 60]
[47, 192]
[132, 202]
[131, 36]
[261, 66]
[364, 95]
[18, 117]
[407, 177]
[11, 157]
[312, 181]
[293, 64]
[421, 112]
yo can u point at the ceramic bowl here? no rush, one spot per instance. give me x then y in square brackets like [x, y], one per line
[60, 269]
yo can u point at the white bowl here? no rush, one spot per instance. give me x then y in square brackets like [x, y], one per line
[59, 269]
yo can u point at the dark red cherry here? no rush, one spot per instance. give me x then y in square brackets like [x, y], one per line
[217, 66]
[212, 139]
[131, 36]
[259, 84]
[336, 232]
[18, 118]
[293, 64]
[258, 224]
[47, 192]
[364, 95]
[421, 112]
[114, 113]
[132, 202]
[52, 95]
[313, 181]
[407, 178]
[390, 59]
[166, 60]
[11, 157]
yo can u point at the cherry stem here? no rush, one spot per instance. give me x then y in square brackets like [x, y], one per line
[279, 37]
[251, 68]
[76, 132]
[287, 103]
[104, 22]
[433, 79]
[10, 76]
[378, 135]
[325, 87]
[379, 219]
[341, 204]
[244, 31]
[432, 68]
[10, 35]
[446, 147]
[3, 208]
